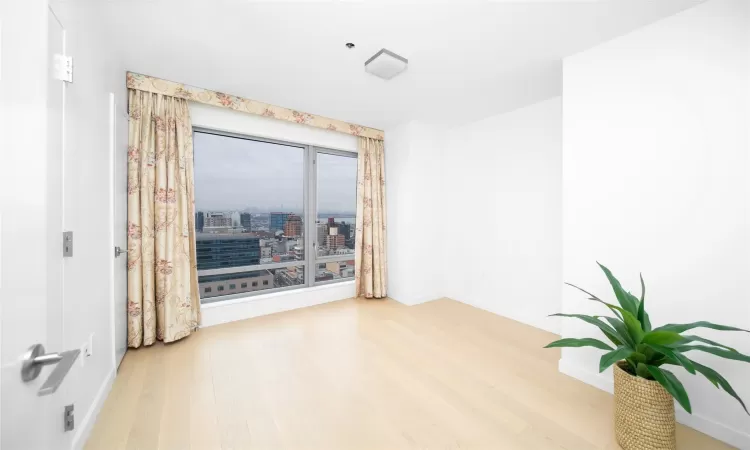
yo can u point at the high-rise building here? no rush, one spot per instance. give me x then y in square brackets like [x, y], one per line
[216, 251]
[293, 226]
[246, 221]
[345, 229]
[199, 221]
[334, 241]
[322, 230]
[277, 221]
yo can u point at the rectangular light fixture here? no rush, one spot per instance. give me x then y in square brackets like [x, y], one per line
[386, 64]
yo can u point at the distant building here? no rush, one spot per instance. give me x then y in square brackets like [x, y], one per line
[345, 229]
[299, 252]
[289, 276]
[277, 221]
[217, 219]
[264, 234]
[334, 241]
[322, 232]
[235, 283]
[293, 226]
[215, 251]
[199, 221]
[246, 221]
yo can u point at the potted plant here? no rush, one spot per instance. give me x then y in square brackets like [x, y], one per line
[644, 409]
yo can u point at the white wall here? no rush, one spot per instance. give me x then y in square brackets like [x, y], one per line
[502, 239]
[415, 213]
[655, 180]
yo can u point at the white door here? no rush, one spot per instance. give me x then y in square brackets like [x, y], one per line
[31, 241]
[119, 176]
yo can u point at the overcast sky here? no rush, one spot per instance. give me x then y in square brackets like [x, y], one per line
[237, 174]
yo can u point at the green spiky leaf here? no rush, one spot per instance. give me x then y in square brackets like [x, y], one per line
[676, 356]
[612, 357]
[719, 381]
[661, 337]
[626, 299]
[642, 314]
[672, 385]
[585, 342]
[724, 353]
[680, 327]
[621, 331]
[594, 320]
[686, 339]
[642, 371]
[592, 297]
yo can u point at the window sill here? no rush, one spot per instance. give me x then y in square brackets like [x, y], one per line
[242, 308]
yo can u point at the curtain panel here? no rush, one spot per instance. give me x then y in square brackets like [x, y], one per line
[163, 295]
[370, 270]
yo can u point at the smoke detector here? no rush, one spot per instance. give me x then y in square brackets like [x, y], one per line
[386, 64]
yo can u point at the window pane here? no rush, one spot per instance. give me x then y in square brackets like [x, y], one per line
[332, 271]
[216, 286]
[337, 204]
[249, 200]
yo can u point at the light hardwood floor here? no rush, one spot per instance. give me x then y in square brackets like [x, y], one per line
[354, 375]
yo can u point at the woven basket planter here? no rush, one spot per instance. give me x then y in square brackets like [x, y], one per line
[644, 413]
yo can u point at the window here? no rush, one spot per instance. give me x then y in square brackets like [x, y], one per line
[336, 206]
[257, 202]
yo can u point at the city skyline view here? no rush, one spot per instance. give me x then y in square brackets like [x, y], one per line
[249, 216]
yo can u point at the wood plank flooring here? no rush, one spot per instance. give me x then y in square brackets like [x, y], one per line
[355, 375]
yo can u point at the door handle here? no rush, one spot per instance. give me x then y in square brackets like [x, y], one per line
[35, 358]
[119, 251]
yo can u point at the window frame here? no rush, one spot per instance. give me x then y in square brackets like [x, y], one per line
[313, 228]
[310, 212]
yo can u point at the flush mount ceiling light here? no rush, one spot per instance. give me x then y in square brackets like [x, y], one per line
[386, 64]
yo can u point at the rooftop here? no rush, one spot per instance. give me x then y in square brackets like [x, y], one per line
[224, 236]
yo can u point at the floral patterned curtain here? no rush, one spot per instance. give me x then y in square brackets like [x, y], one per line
[370, 273]
[163, 296]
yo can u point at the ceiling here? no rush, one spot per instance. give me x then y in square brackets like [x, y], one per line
[467, 60]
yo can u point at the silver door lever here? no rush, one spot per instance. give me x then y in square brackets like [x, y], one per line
[35, 358]
[119, 251]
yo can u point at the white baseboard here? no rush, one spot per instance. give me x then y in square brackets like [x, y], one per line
[261, 305]
[84, 430]
[605, 382]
